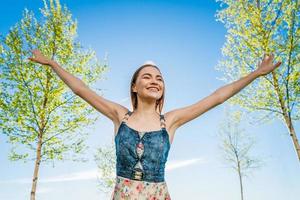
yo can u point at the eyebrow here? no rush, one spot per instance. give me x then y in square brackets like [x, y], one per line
[151, 75]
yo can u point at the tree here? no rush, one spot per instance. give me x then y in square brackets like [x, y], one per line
[40, 116]
[255, 28]
[105, 158]
[236, 147]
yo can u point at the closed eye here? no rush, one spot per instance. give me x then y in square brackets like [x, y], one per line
[147, 75]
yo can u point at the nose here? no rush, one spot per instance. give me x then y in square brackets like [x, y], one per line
[154, 81]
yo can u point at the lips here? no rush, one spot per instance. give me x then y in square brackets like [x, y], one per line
[153, 88]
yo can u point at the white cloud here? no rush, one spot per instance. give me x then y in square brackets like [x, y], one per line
[83, 175]
[171, 165]
[93, 174]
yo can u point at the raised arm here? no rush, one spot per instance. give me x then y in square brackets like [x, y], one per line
[180, 116]
[108, 108]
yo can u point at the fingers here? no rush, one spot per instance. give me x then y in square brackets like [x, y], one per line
[35, 52]
[277, 64]
[31, 59]
[268, 57]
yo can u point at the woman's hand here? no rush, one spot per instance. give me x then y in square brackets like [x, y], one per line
[39, 58]
[266, 65]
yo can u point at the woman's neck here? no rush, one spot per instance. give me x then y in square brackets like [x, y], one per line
[145, 109]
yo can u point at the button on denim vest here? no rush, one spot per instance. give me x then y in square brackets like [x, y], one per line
[156, 146]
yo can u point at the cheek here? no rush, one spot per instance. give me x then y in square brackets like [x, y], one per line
[142, 84]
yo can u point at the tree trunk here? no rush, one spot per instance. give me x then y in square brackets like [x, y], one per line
[40, 142]
[241, 181]
[292, 134]
[286, 116]
[36, 169]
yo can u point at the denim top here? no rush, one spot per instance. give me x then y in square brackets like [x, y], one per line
[142, 155]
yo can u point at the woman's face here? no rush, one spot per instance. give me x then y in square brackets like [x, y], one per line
[149, 83]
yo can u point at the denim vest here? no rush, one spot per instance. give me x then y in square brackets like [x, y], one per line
[155, 145]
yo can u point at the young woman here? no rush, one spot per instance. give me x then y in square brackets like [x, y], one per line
[143, 136]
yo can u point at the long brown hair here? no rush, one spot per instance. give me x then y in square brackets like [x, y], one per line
[133, 95]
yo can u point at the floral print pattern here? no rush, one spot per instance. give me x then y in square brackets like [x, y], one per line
[127, 189]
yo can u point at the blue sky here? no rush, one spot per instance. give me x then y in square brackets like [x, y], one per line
[185, 40]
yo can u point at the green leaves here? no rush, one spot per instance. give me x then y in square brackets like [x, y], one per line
[255, 28]
[105, 159]
[35, 103]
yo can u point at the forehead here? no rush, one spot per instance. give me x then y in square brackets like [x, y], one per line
[150, 70]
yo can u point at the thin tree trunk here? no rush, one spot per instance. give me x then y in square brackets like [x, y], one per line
[40, 142]
[40, 139]
[241, 181]
[287, 113]
[292, 134]
[287, 117]
[36, 169]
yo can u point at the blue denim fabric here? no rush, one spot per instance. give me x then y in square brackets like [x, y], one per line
[154, 158]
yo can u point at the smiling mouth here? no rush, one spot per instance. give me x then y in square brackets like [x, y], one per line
[153, 88]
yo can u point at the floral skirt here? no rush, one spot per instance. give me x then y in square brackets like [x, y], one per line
[127, 189]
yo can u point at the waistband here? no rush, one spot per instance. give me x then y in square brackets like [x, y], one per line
[120, 179]
[141, 175]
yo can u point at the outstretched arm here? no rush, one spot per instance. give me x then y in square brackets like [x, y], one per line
[178, 117]
[108, 108]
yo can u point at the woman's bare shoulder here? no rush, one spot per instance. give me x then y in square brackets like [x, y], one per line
[170, 117]
[121, 112]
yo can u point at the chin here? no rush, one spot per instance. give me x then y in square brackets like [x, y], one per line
[156, 97]
[153, 96]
